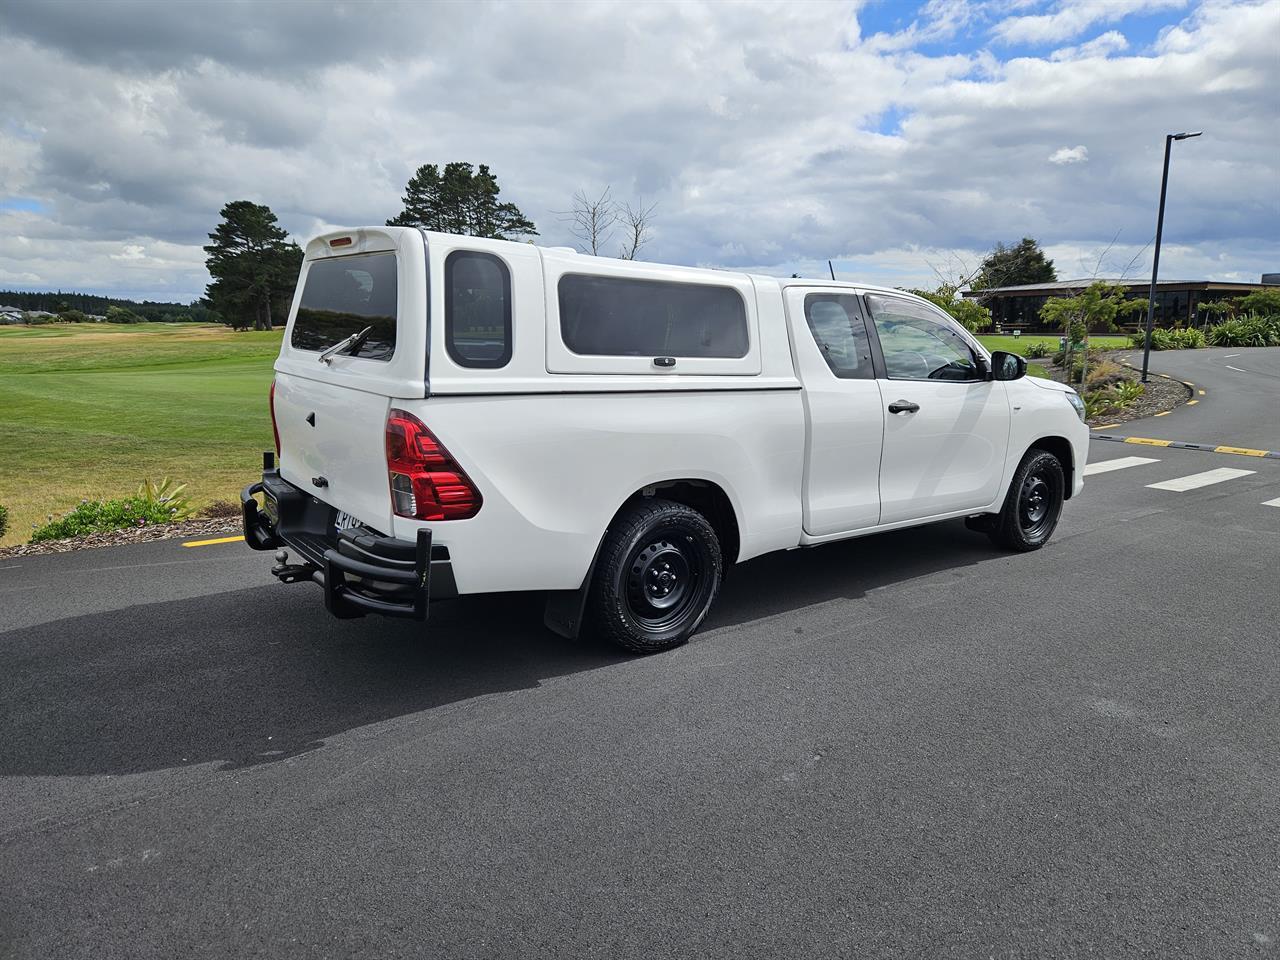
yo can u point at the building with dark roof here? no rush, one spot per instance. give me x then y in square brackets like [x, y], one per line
[1178, 302]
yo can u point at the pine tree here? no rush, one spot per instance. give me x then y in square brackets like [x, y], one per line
[460, 200]
[254, 266]
[1022, 263]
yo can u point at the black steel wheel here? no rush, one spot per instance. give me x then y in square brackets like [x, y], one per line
[656, 578]
[1033, 504]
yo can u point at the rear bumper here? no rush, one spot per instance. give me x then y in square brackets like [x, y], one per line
[360, 571]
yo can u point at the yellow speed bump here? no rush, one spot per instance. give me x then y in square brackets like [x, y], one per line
[210, 543]
[1147, 441]
[1242, 451]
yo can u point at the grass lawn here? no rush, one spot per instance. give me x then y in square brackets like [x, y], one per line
[1010, 345]
[89, 411]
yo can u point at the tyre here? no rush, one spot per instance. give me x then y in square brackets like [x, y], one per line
[658, 573]
[1033, 504]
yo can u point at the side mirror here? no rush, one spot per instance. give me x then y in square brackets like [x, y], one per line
[1007, 366]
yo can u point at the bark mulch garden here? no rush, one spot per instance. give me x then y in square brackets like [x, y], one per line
[1160, 394]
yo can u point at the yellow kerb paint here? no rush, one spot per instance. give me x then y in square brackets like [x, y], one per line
[209, 543]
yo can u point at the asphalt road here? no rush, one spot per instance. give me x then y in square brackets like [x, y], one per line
[1240, 406]
[905, 746]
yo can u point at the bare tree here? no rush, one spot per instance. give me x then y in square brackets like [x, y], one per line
[592, 220]
[635, 226]
[956, 273]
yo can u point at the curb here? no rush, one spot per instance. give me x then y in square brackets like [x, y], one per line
[1183, 445]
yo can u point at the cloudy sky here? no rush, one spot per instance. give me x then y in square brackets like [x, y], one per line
[896, 138]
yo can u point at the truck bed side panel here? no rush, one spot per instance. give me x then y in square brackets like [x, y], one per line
[554, 469]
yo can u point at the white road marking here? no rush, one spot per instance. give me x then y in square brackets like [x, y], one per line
[1197, 480]
[1230, 355]
[1270, 503]
[1236, 369]
[1106, 466]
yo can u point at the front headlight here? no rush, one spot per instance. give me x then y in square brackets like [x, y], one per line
[1074, 399]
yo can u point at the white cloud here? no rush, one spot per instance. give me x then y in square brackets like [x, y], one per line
[1076, 154]
[756, 129]
[1113, 41]
[1072, 18]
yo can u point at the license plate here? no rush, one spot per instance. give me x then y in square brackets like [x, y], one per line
[344, 521]
[270, 508]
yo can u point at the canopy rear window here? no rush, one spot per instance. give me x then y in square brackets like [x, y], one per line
[342, 296]
[623, 317]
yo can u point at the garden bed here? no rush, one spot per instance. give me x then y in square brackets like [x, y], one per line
[1161, 394]
[183, 529]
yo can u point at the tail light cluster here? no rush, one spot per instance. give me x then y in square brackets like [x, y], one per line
[426, 482]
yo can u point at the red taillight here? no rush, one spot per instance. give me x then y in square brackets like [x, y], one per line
[275, 430]
[426, 482]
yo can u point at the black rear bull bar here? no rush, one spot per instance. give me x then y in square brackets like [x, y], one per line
[360, 570]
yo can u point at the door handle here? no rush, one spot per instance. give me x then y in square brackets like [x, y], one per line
[903, 406]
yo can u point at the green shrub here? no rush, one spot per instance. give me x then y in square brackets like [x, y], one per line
[166, 495]
[1248, 330]
[122, 315]
[1189, 338]
[1104, 373]
[1265, 302]
[1127, 391]
[152, 505]
[4, 519]
[1077, 361]
[1098, 403]
[1036, 350]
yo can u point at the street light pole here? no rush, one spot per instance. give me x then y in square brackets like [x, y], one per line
[1155, 259]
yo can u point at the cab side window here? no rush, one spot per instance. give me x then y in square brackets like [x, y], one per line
[837, 327]
[919, 344]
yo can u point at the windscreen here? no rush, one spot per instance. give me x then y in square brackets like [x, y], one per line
[342, 296]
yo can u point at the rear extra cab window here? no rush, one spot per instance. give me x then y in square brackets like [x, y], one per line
[840, 334]
[610, 318]
[343, 296]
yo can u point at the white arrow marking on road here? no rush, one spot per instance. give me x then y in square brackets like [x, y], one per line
[1106, 466]
[1270, 503]
[1197, 480]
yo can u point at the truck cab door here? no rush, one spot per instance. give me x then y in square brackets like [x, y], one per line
[946, 428]
[844, 416]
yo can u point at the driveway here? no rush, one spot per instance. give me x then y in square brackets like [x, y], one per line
[1240, 405]
[909, 745]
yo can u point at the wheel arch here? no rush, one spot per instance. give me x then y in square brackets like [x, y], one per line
[1060, 447]
[564, 608]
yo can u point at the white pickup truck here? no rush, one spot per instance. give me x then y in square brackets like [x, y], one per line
[456, 415]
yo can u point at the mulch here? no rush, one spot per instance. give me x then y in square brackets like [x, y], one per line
[184, 529]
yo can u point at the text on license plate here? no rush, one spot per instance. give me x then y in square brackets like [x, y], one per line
[344, 521]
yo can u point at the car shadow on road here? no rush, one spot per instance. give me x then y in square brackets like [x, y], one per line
[261, 675]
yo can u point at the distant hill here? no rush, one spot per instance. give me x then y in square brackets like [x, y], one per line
[90, 303]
